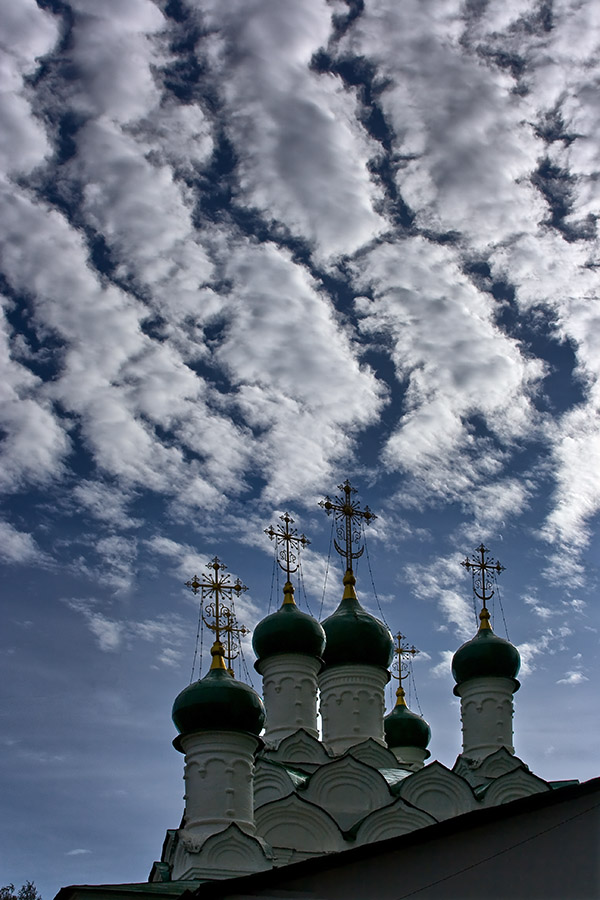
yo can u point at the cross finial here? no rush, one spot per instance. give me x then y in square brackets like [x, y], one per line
[216, 615]
[347, 516]
[292, 542]
[405, 654]
[483, 569]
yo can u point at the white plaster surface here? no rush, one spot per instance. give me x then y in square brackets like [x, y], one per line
[486, 712]
[290, 695]
[352, 705]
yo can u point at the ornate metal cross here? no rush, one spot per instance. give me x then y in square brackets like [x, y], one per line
[483, 569]
[292, 542]
[348, 516]
[216, 615]
[405, 654]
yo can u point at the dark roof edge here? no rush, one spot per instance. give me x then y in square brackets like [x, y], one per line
[171, 889]
[473, 819]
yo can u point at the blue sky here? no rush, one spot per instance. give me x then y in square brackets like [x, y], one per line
[249, 250]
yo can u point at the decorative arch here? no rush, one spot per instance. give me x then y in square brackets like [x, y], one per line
[439, 792]
[271, 782]
[373, 754]
[226, 854]
[295, 822]
[499, 763]
[396, 819]
[348, 789]
[301, 749]
[519, 783]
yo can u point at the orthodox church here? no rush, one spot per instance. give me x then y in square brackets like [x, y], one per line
[311, 790]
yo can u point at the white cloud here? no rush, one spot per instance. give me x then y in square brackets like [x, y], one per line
[464, 143]
[105, 502]
[443, 669]
[455, 361]
[28, 33]
[302, 154]
[169, 633]
[18, 546]
[296, 374]
[436, 582]
[34, 443]
[549, 641]
[573, 678]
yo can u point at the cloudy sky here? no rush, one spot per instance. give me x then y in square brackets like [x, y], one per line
[249, 250]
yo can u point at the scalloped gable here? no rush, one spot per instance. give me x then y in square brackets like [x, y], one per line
[228, 853]
[372, 753]
[272, 781]
[294, 822]
[438, 791]
[391, 821]
[348, 790]
[499, 763]
[300, 749]
[480, 773]
[519, 783]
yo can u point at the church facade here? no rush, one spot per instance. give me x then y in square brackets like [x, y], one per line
[270, 795]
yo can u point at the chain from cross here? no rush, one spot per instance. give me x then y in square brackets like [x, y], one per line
[405, 656]
[348, 516]
[292, 542]
[216, 615]
[483, 570]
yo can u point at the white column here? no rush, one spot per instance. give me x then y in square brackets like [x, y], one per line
[486, 712]
[289, 694]
[218, 781]
[352, 705]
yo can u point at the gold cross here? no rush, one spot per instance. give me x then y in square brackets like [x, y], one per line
[286, 558]
[403, 651]
[347, 516]
[233, 632]
[486, 569]
[217, 586]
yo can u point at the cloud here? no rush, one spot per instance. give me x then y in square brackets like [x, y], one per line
[169, 633]
[549, 641]
[437, 581]
[105, 502]
[34, 444]
[79, 851]
[464, 145]
[575, 677]
[28, 33]
[18, 546]
[295, 372]
[302, 155]
[443, 669]
[455, 362]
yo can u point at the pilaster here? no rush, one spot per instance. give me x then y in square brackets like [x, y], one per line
[486, 712]
[352, 705]
[290, 695]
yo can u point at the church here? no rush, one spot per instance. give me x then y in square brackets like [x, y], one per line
[312, 791]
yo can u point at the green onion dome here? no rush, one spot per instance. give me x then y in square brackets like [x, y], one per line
[485, 655]
[289, 630]
[404, 728]
[218, 703]
[354, 636]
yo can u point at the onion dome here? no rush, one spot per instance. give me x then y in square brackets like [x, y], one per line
[354, 636]
[485, 655]
[218, 703]
[404, 728]
[289, 630]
